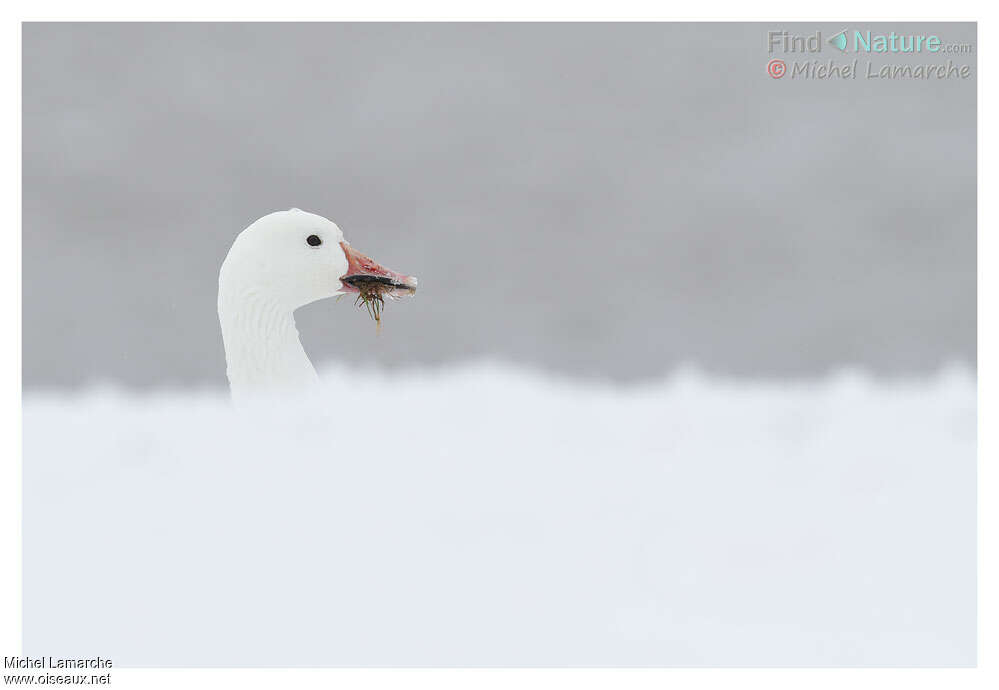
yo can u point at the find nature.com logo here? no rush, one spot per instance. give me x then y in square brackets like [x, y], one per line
[864, 43]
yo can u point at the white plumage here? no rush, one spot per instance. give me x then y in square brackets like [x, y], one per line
[281, 262]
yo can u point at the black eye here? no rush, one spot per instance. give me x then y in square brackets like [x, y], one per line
[313, 240]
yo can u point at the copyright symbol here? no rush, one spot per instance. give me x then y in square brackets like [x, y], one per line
[776, 68]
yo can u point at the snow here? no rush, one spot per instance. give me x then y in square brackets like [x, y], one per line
[485, 515]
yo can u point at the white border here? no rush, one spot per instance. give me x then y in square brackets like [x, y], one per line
[10, 372]
[985, 676]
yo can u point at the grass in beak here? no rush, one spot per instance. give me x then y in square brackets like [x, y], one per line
[371, 295]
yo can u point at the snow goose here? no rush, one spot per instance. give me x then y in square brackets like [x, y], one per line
[281, 262]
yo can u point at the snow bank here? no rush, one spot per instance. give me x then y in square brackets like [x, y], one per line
[489, 516]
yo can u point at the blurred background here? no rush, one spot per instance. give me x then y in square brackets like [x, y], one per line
[603, 201]
[786, 266]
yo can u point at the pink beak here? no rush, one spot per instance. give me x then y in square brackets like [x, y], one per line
[361, 268]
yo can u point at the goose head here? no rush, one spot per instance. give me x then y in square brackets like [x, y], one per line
[294, 258]
[282, 262]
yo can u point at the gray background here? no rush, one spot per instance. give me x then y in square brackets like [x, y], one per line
[600, 200]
